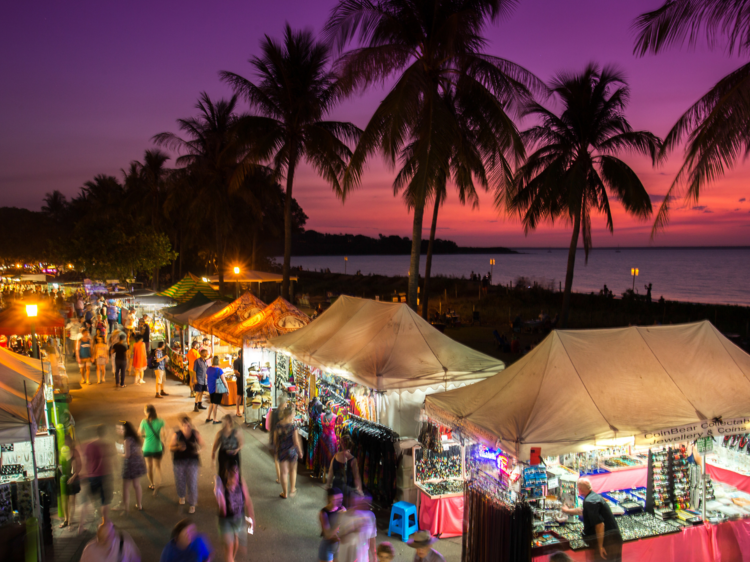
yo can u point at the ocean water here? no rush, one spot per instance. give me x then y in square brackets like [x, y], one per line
[706, 275]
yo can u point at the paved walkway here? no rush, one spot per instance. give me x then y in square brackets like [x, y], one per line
[286, 530]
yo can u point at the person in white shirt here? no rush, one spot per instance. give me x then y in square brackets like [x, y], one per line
[358, 532]
[74, 334]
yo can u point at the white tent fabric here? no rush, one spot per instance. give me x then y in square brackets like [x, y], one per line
[384, 346]
[579, 387]
[14, 416]
[202, 311]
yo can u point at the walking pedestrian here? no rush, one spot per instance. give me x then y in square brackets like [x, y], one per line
[192, 355]
[71, 468]
[201, 366]
[99, 454]
[233, 499]
[140, 360]
[422, 542]
[120, 353]
[240, 377]
[111, 545]
[275, 415]
[84, 355]
[160, 357]
[228, 444]
[79, 306]
[146, 331]
[133, 466]
[185, 445]
[288, 449]
[217, 388]
[111, 315]
[186, 545]
[152, 429]
[101, 354]
[343, 473]
[74, 334]
[357, 531]
[329, 518]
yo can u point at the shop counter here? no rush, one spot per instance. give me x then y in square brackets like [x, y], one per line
[725, 542]
[727, 476]
[619, 480]
[230, 398]
[443, 516]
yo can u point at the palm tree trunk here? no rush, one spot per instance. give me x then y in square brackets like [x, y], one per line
[288, 224]
[428, 261]
[181, 252]
[219, 253]
[416, 250]
[569, 274]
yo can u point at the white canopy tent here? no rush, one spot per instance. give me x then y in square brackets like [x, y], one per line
[390, 348]
[14, 416]
[580, 388]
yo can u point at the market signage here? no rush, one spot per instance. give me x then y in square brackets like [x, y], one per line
[691, 432]
[16, 462]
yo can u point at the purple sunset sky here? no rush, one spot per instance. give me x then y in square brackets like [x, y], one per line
[87, 84]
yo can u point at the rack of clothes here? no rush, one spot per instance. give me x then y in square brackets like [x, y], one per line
[375, 450]
[495, 528]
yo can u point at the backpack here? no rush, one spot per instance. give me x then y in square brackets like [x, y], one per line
[152, 364]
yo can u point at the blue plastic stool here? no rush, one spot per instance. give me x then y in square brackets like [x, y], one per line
[401, 520]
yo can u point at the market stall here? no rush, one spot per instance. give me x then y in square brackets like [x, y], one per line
[372, 363]
[278, 318]
[653, 388]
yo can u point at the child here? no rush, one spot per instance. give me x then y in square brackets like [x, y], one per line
[385, 552]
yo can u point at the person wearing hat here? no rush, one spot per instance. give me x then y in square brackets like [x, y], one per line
[422, 542]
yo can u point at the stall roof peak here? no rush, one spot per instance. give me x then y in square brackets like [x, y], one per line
[578, 387]
[188, 287]
[278, 318]
[385, 346]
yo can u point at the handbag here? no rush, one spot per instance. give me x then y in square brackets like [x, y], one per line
[221, 387]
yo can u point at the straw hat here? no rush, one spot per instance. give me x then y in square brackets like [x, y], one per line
[421, 539]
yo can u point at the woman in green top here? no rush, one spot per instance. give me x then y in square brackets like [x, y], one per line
[153, 433]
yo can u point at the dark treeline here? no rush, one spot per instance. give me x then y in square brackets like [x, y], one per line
[312, 243]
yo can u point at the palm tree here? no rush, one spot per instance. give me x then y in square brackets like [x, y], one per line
[717, 126]
[434, 50]
[294, 92]
[211, 149]
[574, 170]
[152, 175]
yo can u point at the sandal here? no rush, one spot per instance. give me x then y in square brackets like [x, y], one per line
[150, 487]
[282, 496]
[64, 524]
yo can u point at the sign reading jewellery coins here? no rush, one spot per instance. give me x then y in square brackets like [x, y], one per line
[17, 464]
[691, 432]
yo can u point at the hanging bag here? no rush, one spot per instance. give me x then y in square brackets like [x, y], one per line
[220, 386]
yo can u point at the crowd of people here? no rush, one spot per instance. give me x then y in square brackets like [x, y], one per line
[104, 337]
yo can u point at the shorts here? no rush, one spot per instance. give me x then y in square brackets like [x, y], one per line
[232, 525]
[216, 397]
[100, 485]
[101, 361]
[159, 374]
[192, 375]
[200, 387]
[153, 455]
[74, 488]
[327, 550]
[86, 359]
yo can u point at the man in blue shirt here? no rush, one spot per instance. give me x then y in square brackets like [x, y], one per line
[186, 545]
[201, 366]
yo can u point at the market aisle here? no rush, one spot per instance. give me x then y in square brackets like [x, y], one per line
[286, 530]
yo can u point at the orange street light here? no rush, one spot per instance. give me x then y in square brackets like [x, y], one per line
[236, 270]
[31, 311]
[346, 259]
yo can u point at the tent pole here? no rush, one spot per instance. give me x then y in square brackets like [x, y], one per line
[703, 483]
[35, 483]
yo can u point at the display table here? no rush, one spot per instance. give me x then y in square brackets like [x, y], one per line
[725, 542]
[619, 480]
[230, 398]
[443, 516]
[727, 476]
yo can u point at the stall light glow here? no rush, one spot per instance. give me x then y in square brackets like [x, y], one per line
[236, 270]
[204, 279]
[502, 463]
[31, 310]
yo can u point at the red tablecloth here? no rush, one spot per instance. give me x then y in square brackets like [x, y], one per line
[620, 480]
[739, 481]
[726, 542]
[443, 517]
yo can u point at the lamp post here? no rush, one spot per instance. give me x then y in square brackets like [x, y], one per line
[237, 283]
[346, 259]
[31, 311]
[634, 274]
[492, 269]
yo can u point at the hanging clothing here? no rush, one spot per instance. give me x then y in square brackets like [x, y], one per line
[328, 441]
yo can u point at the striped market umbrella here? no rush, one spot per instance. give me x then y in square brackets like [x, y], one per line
[188, 287]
